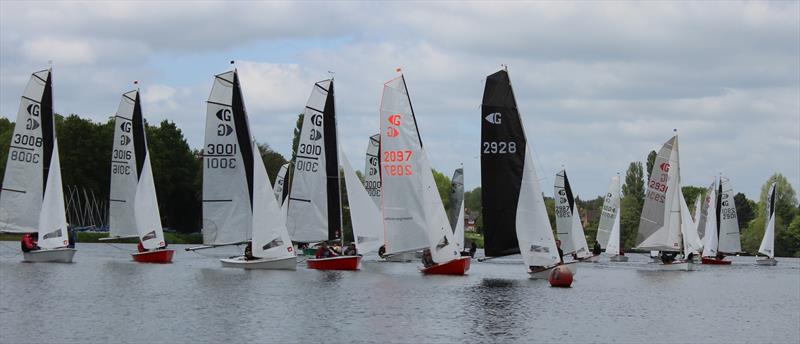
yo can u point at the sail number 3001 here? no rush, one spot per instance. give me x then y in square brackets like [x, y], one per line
[394, 163]
[499, 147]
[220, 155]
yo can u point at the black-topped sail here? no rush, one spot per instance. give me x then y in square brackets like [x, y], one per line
[502, 161]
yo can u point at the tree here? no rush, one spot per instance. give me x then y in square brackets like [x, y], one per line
[631, 203]
[6, 130]
[634, 182]
[690, 195]
[298, 126]
[651, 160]
[785, 212]
[443, 186]
[272, 160]
[745, 209]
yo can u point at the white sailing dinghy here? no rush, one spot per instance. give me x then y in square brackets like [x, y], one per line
[315, 212]
[514, 214]
[722, 224]
[413, 213]
[32, 197]
[662, 220]
[238, 202]
[767, 246]
[608, 231]
[133, 206]
[568, 221]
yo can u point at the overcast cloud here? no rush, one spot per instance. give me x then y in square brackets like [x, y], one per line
[599, 84]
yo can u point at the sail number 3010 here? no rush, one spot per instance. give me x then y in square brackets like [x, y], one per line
[394, 163]
[499, 147]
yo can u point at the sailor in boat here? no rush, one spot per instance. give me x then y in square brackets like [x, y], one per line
[427, 258]
[473, 247]
[690, 257]
[621, 252]
[29, 242]
[668, 257]
[73, 236]
[350, 250]
[248, 251]
[596, 250]
[141, 248]
[325, 251]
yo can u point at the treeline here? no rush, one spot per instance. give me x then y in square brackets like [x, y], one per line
[85, 152]
[751, 213]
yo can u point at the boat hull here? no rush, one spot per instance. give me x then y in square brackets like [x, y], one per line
[545, 274]
[618, 259]
[458, 267]
[715, 261]
[592, 259]
[57, 255]
[676, 266]
[334, 263]
[263, 264]
[767, 261]
[400, 258]
[155, 256]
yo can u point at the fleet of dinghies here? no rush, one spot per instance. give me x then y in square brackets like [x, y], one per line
[396, 211]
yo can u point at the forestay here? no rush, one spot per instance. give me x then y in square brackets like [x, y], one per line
[372, 169]
[314, 201]
[660, 222]
[568, 224]
[729, 239]
[609, 215]
[767, 246]
[227, 165]
[456, 210]
[364, 215]
[29, 158]
[414, 215]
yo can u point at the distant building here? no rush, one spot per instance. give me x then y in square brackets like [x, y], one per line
[470, 218]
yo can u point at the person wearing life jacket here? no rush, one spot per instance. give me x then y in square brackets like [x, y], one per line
[140, 247]
[350, 250]
[248, 251]
[596, 250]
[324, 251]
[29, 242]
[427, 258]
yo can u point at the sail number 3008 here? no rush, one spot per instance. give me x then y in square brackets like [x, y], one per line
[499, 147]
[394, 163]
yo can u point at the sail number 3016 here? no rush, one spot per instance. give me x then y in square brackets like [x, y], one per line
[499, 147]
[394, 163]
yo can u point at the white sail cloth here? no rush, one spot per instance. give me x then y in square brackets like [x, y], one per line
[729, 238]
[660, 223]
[534, 233]
[609, 213]
[364, 215]
[767, 246]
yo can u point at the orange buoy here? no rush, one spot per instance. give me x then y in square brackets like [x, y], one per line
[560, 276]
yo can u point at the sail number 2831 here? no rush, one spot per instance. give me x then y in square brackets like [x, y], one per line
[395, 163]
[499, 147]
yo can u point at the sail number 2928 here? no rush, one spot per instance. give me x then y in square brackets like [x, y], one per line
[395, 163]
[499, 147]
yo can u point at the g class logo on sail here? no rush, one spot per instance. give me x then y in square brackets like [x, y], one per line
[316, 119]
[664, 166]
[224, 115]
[33, 109]
[394, 119]
[392, 132]
[315, 135]
[124, 140]
[494, 118]
[224, 130]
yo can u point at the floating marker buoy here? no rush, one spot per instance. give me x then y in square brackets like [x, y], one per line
[560, 276]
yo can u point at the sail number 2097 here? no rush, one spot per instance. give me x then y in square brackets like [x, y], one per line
[499, 147]
[394, 163]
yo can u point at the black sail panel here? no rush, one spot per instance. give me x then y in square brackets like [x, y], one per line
[48, 128]
[139, 138]
[570, 197]
[502, 161]
[243, 132]
[332, 166]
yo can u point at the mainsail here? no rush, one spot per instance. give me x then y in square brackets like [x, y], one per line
[708, 221]
[372, 169]
[729, 239]
[456, 212]
[314, 200]
[364, 214]
[691, 241]
[514, 214]
[613, 246]
[413, 213]
[698, 209]
[280, 182]
[660, 223]
[568, 222]
[133, 206]
[608, 217]
[767, 246]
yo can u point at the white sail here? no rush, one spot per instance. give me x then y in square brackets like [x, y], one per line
[372, 169]
[308, 200]
[458, 233]
[413, 213]
[148, 219]
[280, 180]
[612, 248]
[568, 222]
[698, 209]
[660, 222]
[534, 233]
[729, 239]
[364, 215]
[23, 184]
[53, 217]
[609, 214]
[691, 241]
[270, 237]
[124, 174]
[227, 179]
[767, 246]
[456, 212]
[709, 217]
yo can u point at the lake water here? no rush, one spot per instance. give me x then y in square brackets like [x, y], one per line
[103, 297]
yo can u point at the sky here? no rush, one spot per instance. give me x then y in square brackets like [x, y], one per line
[598, 84]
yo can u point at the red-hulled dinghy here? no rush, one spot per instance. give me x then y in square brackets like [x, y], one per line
[154, 256]
[334, 263]
[458, 266]
[715, 261]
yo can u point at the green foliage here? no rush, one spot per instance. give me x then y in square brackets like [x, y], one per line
[6, 130]
[634, 182]
[745, 209]
[629, 220]
[651, 160]
[550, 205]
[272, 160]
[477, 238]
[690, 195]
[443, 185]
[298, 126]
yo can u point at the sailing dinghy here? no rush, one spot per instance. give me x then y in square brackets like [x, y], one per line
[413, 213]
[239, 206]
[608, 231]
[315, 212]
[767, 247]
[722, 225]
[32, 197]
[133, 206]
[568, 221]
[663, 218]
[514, 214]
